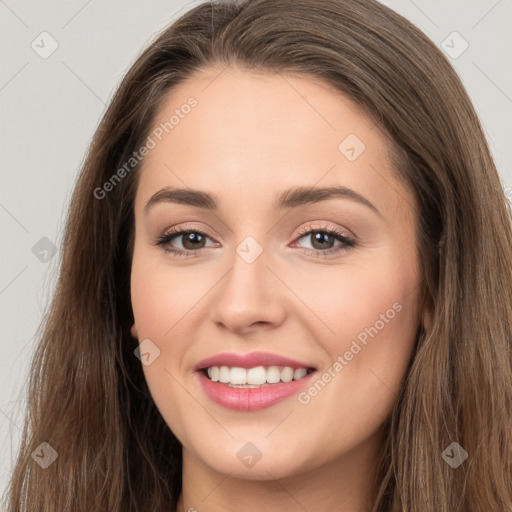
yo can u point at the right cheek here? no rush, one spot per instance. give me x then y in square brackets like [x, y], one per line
[144, 292]
[166, 397]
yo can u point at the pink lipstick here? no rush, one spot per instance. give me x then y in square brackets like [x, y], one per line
[252, 381]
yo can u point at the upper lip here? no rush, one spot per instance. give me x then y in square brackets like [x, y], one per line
[249, 360]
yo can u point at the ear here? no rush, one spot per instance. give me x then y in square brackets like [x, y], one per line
[134, 332]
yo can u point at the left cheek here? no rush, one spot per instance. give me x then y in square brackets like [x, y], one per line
[372, 312]
[386, 343]
[352, 303]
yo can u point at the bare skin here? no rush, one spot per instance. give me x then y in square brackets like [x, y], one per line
[250, 137]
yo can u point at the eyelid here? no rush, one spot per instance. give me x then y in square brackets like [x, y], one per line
[330, 228]
[187, 227]
[301, 232]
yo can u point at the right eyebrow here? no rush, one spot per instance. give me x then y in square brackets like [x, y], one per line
[187, 196]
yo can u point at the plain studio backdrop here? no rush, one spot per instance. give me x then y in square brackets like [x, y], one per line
[60, 65]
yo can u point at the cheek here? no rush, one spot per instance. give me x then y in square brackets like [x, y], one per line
[348, 302]
[163, 308]
[370, 318]
[162, 299]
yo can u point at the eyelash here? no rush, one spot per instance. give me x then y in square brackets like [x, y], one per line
[347, 243]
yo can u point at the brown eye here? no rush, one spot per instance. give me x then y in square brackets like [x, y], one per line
[326, 240]
[192, 240]
[321, 240]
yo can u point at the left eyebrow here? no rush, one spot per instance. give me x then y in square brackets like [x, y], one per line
[301, 196]
[291, 198]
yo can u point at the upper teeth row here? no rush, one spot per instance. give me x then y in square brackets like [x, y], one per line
[255, 376]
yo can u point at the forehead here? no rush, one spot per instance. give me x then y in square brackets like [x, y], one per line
[249, 134]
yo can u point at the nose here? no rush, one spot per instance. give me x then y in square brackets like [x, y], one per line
[249, 298]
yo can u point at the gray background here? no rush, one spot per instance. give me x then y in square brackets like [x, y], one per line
[50, 108]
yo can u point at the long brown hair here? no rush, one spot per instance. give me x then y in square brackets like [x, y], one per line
[87, 395]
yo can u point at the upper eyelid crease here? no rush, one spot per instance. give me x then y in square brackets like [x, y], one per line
[292, 198]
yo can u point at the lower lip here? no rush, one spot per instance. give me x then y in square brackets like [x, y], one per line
[251, 399]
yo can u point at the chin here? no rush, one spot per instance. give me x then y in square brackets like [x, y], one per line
[254, 460]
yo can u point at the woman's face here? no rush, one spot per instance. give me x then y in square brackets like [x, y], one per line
[275, 277]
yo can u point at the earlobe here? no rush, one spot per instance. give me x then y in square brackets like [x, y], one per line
[134, 332]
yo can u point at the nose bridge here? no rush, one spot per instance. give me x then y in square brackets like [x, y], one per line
[247, 294]
[248, 280]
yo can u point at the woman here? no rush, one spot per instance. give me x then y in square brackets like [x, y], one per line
[199, 356]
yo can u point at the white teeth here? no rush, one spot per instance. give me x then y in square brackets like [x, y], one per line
[257, 375]
[287, 374]
[273, 375]
[253, 377]
[238, 376]
[299, 373]
[224, 374]
[213, 373]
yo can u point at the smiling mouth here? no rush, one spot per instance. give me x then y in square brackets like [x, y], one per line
[256, 377]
